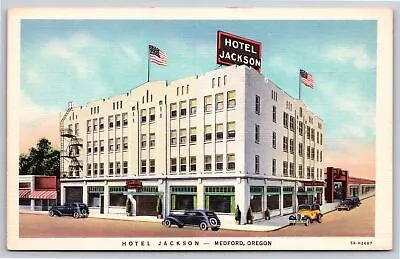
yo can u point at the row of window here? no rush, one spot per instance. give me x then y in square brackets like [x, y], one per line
[217, 81]
[98, 146]
[288, 121]
[98, 169]
[288, 170]
[311, 151]
[98, 124]
[192, 166]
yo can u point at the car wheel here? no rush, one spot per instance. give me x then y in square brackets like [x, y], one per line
[167, 223]
[180, 226]
[84, 213]
[319, 218]
[348, 209]
[215, 229]
[307, 222]
[213, 222]
[203, 226]
[75, 215]
[51, 213]
[291, 224]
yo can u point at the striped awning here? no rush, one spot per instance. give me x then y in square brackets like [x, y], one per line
[24, 194]
[44, 195]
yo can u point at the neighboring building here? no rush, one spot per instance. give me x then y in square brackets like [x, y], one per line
[340, 185]
[37, 192]
[229, 137]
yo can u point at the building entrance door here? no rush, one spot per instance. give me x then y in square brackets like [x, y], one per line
[101, 203]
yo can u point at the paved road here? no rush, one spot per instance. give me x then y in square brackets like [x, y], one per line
[357, 222]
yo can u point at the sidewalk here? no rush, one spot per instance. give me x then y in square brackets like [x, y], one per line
[259, 225]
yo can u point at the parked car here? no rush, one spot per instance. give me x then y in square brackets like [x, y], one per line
[76, 210]
[204, 219]
[306, 214]
[349, 203]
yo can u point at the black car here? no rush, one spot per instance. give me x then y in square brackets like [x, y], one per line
[349, 203]
[204, 219]
[76, 210]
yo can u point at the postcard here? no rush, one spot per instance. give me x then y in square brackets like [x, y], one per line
[199, 129]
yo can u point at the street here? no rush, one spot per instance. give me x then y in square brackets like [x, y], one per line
[356, 222]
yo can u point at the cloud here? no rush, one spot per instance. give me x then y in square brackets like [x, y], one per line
[356, 55]
[33, 77]
[284, 66]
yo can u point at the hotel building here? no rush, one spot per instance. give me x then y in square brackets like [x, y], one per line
[226, 138]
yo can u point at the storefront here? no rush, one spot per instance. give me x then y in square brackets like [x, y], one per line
[273, 200]
[144, 200]
[37, 192]
[288, 204]
[183, 197]
[220, 199]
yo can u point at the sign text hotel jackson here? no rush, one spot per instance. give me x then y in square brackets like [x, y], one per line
[235, 50]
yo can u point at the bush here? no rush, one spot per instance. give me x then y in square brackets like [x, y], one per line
[128, 206]
[267, 214]
[238, 213]
[159, 206]
[250, 214]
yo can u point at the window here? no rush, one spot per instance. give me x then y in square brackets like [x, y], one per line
[273, 166]
[143, 115]
[301, 152]
[291, 146]
[225, 77]
[173, 110]
[219, 102]
[101, 123]
[274, 113]
[89, 147]
[274, 139]
[320, 156]
[312, 153]
[95, 169]
[111, 168]
[111, 144]
[192, 163]
[95, 147]
[89, 169]
[182, 136]
[232, 99]
[301, 171]
[317, 137]
[125, 167]
[152, 139]
[285, 119]
[257, 133]
[291, 169]
[219, 131]
[193, 106]
[258, 104]
[182, 109]
[143, 166]
[125, 119]
[89, 126]
[101, 169]
[308, 132]
[219, 81]
[321, 139]
[213, 83]
[308, 172]
[117, 120]
[312, 134]
[231, 162]
[312, 173]
[77, 129]
[144, 141]
[207, 133]
[117, 144]
[125, 143]
[219, 162]
[182, 163]
[95, 125]
[173, 137]
[292, 123]
[193, 135]
[207, 103]
[231, 130]
[173, 165]
[317, 152]
[101, 146]
[207, 163]
[285, 144]
[301, 128]
[183, 89]
[285, 168]
[301, 112]
[152, 114]
[152, 166]
[257, 164]
[110, 122]
[308, 152]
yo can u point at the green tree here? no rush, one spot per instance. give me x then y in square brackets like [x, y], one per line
[43, 159]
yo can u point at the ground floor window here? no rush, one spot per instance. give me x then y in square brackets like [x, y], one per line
[273, 202]
[183, 202]
[94, 195]
[24, 202]
[117, 198]
[220, 203]
[305, 199]
[73, 194]
[256, 203]
[287, 200]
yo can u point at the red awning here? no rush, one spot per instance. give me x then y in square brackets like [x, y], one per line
[44, 195]
[24, 194]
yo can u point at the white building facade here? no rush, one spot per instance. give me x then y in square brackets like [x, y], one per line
[226, 138]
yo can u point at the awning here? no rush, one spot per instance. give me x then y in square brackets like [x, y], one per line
[24, 194]
[44, 195]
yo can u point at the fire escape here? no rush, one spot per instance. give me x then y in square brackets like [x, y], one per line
[70, 144]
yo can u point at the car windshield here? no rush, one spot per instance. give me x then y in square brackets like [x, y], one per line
[304, 207]
[346, 201]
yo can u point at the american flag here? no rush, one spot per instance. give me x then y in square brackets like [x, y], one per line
[157, 56]
[306, 78]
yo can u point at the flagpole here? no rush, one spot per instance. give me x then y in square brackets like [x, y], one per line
[299, 86]
[148, 63]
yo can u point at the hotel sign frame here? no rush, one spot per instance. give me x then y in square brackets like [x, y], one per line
[236, 50]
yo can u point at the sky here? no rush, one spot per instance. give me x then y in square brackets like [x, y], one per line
[86, 60]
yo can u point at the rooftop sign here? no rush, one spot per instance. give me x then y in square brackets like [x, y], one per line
[235, 50]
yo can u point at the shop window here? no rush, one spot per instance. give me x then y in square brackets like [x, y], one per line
[220, 203]
[182, 202]
[117, 199]
[94, 200]
[287, 200]
[273, 202]
[256, 203]
[24, 202]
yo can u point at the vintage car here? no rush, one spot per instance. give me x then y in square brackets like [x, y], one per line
[349, 203]
[204, 219]
[306, 214]
[76, 210]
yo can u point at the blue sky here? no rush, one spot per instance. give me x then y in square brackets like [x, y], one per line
[83, 60]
